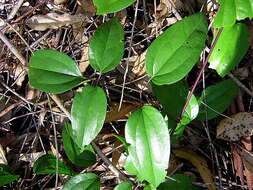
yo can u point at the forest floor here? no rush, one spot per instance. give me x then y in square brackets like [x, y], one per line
[31, 122]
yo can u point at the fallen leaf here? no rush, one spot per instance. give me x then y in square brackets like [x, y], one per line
[88, 8]
[237, 126]
[53, 21]
[200, 163]
[2, 156]
[84, 62]
[123, 113]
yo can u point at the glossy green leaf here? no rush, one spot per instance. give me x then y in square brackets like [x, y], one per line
[80, 157]
[53, 72]
[173, 54]
[149, 150]
[111, 6]
[167, 94]
[217, 97]
[124, 186]
[107, 47]
[46, 164]
[83, 181]
[232, 10]
[232, 45]
[88, 114]
[6, 175]
[180, 182]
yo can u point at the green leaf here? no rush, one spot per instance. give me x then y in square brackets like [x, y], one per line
[232, 10]
[46, 164]
[53, 72]
[111, 6]
[6, 175]
[179, 49]
[127, 185]
[88, 114]
[182, 182]
[76, 155]
[231, 47]
[83, 181]
[149, 150]
[107, 47]
[218, 98]
[167, 94]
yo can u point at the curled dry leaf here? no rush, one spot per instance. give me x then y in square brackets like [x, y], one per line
[53, 21]
[234, 128]
[2, 156]
[123, 113]
[200, 163]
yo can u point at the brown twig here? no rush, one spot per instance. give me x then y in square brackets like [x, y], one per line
[14, 50]
[11, 107]
[242, 86]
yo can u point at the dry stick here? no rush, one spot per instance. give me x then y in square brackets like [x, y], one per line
[198, 77]
[13, 50]
[129, 53]
[11, 107]
[117, 172]
[174, 10]
[242, 86]
[15, 9]
[56, 146]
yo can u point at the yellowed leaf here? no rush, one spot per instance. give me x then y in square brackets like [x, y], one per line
[53, 21]
[237, 126]
[200, 163]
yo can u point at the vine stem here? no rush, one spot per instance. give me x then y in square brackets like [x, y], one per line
[198, 77]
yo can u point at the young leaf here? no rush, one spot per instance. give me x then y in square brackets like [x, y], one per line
[232, 10]
[232, 45]
[107, 47]
[127, 185]
[181, 182]
[149, 150]
[88, 115]
[111, 6]
[46, 164]
[53, 72]
[179, 49]
[84, 181]
[217, 97]
[77, 156]
[6, 175]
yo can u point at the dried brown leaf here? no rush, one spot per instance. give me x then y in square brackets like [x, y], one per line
[2, 156]
[125, 110]
[200, 163]
[240, 125]
[53, 21]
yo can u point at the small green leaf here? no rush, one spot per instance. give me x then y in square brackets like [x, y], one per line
[231, 47]
[6, 175]
[107, 47]
[182, 182]
[46, 164]
[232, 10]
[83, 181]
[218, 98]
[179, 49]
[127, 185]
[53, 72]
[149, 150]
[77, 156]
[167, 94]
[88, 115]
[111, 6]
